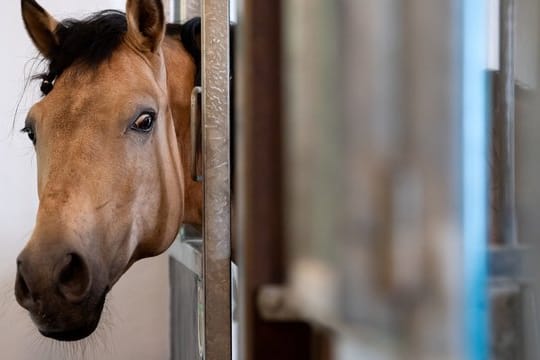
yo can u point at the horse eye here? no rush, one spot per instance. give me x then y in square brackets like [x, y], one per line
[30, 133]
[144, 122]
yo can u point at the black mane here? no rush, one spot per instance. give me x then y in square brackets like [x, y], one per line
[93, 40]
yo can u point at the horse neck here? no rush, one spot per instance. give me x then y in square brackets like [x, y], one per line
[181, 71]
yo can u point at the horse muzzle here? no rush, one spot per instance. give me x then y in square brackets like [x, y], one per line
[61, 292]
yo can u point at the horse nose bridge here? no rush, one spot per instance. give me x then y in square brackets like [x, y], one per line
[66, 215]
[62, 191]
[65, 181]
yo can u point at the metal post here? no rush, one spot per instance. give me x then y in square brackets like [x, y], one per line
[504, 231]
[216, 159]
[508, 109]
[506, 293]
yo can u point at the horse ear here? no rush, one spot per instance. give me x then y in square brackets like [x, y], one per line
[40, 26]
[146, 24]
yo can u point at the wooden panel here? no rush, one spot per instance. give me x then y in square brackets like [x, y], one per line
[260, 183]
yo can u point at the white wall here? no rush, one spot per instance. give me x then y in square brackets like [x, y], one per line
[136, 323]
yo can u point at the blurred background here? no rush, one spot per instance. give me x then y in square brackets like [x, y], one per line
[404, 219]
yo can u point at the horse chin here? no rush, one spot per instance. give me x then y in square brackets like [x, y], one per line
[78, 332]
[70, 335]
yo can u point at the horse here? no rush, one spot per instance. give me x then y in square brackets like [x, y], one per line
[112, 140]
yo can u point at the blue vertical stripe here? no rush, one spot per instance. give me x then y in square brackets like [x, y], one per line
[475, 177]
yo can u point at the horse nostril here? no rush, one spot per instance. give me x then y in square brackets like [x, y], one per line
[74, 278]
[22, 292]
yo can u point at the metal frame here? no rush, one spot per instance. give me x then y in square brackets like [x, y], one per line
[217, 184]
[509, 288]
[185, 272]
[504, 229]
[187, 250]
[207, 260]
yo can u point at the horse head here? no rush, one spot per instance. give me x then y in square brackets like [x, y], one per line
[111, 141]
